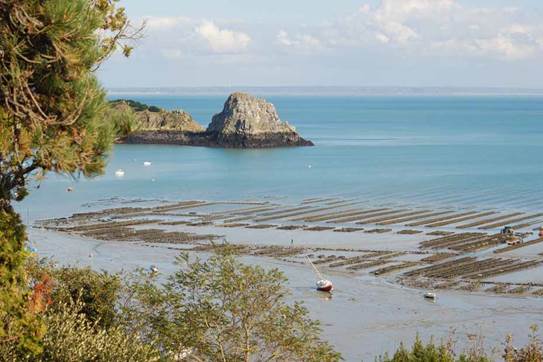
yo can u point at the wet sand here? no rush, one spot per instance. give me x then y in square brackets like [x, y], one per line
[380, 272]
[366, 315]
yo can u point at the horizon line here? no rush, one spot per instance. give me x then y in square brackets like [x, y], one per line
[328, 90]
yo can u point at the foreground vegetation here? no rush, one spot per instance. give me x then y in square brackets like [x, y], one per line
[53, 118]
[444, 352]
[218, 309]
[209, 310]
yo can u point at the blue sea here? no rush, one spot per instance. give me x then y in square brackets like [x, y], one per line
[484, 151]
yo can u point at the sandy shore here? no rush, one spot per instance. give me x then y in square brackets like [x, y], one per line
[366, 315]
[369, 250]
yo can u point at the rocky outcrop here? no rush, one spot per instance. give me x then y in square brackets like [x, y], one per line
[176, 120]
[157, 119]
[245, 122]
[250, 122]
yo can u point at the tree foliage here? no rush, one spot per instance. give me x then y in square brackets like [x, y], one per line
[51, 105]
[123, 119]
[19, 324]
[51, 119]
[97, 293]
[223, 310]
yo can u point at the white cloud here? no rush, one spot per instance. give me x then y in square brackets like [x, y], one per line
[223, 40]
[154, 23]
[430, 27]
[301, 42]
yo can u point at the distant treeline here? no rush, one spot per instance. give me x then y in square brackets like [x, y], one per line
[137, 106]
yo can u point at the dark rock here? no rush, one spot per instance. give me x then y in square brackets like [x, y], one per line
[250, 122]
[245, 122]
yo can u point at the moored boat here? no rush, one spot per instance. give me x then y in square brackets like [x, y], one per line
[119, 172]
[323, 285]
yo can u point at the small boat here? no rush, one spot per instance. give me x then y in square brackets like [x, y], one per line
[322, 284]
[70, 189]
[153, 269]
[430, 295]
[119, 172]
[147, 163]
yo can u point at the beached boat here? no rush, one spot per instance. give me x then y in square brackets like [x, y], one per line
[322, 284]
[430, 295]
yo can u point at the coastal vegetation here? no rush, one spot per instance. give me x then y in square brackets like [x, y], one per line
[136, 106]
[52, 119]
[207, 310]
[444, 351]
[217, 309]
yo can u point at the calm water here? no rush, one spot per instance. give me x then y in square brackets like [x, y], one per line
[452, 150]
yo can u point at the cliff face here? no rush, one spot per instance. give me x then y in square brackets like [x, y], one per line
[156, 119]
[250, 122]
[167, 121]
[245, 122]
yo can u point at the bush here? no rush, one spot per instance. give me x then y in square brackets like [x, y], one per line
[96, 292]
[71, 336]
[532, 352]
[221, 309]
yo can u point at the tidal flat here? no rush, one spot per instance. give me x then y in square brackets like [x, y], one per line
[382, 257]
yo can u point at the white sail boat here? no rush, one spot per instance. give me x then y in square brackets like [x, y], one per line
[323, 285]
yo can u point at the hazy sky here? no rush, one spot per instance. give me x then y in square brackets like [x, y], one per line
[494, 43]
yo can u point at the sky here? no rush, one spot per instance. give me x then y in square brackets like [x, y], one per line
[366, 43]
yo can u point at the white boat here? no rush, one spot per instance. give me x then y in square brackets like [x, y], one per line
[147, 163]
[322, 284]
[430, 295]
[153, 269]
[119, 172]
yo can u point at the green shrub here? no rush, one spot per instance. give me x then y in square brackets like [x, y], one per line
[432, 352]
[97, 292]
[72, 337]
[220, 309]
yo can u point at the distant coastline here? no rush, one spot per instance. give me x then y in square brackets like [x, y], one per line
[329, 91]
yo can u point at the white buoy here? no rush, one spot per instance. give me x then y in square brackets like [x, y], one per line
[147, 163]
[119, 172]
